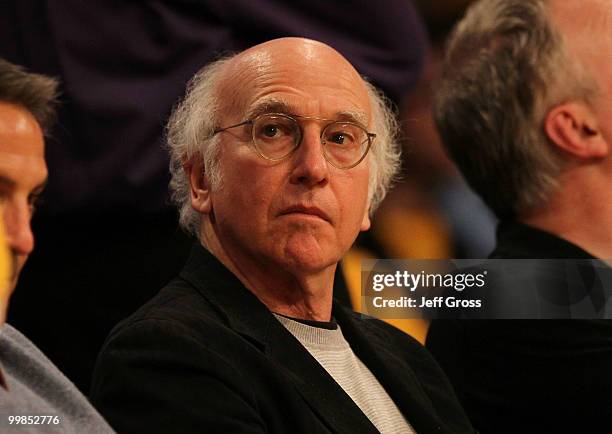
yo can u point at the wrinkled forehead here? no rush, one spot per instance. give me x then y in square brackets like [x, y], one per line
[307, 77]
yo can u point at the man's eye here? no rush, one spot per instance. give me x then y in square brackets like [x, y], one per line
[273, 131]
[270, 130]
[34, 201]
[340, 138]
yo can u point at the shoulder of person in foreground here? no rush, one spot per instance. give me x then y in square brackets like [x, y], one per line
[35, 387]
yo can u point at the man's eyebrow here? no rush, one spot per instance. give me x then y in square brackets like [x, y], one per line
[278, 106]
[357, 117]
[270, 106]
[6, 182]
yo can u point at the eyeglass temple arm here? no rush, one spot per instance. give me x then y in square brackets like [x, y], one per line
[219, 130]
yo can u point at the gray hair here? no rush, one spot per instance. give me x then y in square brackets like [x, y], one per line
[505, 68]
[34, 92]
[190, 135]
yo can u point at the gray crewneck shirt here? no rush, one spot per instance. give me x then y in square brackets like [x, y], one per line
[33, 386]
[333, 352]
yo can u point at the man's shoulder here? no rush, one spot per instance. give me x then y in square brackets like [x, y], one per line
[177, 308]
[35, 385]
[17, 351]
[10, 336]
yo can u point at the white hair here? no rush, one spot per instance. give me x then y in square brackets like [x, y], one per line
[190, 135]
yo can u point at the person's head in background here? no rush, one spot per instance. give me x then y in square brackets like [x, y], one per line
[524, 108]
[26, 111]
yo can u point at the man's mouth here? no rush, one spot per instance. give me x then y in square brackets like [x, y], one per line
[307, 210]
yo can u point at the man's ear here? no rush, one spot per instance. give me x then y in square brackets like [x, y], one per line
[365, 223]
[574, 128]
[199, 188]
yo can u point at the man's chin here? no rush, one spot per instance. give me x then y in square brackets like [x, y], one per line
[308, 257]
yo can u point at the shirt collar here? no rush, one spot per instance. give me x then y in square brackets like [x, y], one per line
[518, 240]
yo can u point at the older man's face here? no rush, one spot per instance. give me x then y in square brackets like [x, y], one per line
[23, 173]
[302, 213]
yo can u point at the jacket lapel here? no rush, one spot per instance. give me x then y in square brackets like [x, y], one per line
[395, 375]
[326, 398]
[252, 319]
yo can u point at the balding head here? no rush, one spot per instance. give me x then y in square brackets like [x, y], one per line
[304, 59]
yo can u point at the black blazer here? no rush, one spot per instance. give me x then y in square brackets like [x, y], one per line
[205, 355]
[531, 376]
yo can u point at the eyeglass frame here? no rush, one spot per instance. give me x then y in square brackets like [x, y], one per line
[370, 136]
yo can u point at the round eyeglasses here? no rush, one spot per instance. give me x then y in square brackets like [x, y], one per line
[277, 135]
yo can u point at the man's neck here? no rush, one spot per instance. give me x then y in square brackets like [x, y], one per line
[578, 214]
[304, 295]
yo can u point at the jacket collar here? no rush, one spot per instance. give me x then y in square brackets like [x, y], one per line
[518, 240]
[241, 309]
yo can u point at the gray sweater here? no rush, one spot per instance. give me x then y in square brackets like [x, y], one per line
[333, 352]
[35, 387]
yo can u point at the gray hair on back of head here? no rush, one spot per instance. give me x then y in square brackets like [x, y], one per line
[34, 92]
[190, 134]
[505, 67]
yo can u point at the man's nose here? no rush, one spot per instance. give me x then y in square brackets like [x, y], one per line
[17, 218]
[310, 166]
